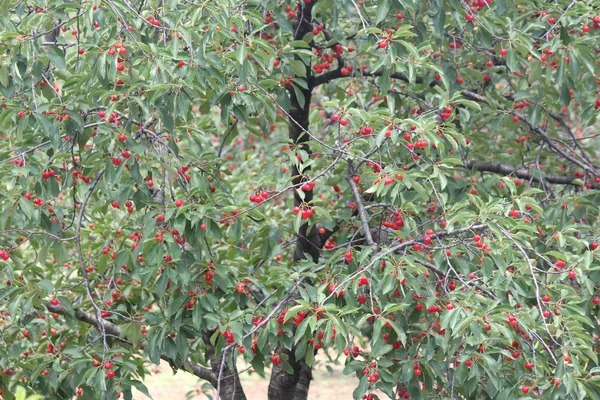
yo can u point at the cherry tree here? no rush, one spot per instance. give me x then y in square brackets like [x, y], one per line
[409, 188]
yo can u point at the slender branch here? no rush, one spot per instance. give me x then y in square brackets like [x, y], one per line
[114, 330]
[362, 213]
[538, 131]
[537, 293]
[438, 271]
[398, 247]
[30, 232]
[229, 130]
[58, 26]
[522, 173]
[80, 253]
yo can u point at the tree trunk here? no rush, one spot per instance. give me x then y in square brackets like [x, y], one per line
[230, 387]
[227, 380]
[284, 386]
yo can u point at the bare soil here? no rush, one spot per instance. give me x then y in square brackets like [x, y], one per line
[326, 385]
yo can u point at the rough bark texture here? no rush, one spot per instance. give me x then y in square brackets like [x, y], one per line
[284, 386]
[227, 380]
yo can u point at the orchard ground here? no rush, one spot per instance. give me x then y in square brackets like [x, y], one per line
[327, 384]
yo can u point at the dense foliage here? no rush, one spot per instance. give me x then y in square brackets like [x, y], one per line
[408, 186]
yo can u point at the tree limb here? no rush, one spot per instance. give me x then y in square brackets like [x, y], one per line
[114, 330]
[362, 213]
[522, 173]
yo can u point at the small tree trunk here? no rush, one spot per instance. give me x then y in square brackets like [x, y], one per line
[227, 380]
[303, 382]
[230, 387]
[284, 386]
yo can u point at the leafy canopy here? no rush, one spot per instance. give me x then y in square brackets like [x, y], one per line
[408, 186]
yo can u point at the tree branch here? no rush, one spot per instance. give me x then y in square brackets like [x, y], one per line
[114, 330]
[522, 173]
[362, 213]
[438, 271]
[30, 232]
[538, 131]
[337, 73]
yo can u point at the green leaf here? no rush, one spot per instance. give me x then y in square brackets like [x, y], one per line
[298, 68]
[241, 53]
[46, 285]
[383, 8]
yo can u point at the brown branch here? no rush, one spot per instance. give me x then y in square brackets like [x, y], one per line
[538, 131]
[57, 26]
[114, 330]
[362, 213]
[395, 249]
[438, 271]
[337, 73]
[522, 173]
[30, 232]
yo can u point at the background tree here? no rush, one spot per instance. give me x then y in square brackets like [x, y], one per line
[409, 184]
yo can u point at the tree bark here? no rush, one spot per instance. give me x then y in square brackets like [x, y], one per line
[227, 381]
[284, 386]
